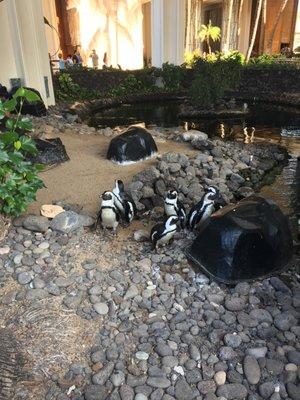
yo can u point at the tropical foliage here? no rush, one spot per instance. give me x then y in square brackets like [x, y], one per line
[19, 181]
[208, 33]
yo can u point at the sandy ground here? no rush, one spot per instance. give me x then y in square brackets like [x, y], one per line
[88, 173]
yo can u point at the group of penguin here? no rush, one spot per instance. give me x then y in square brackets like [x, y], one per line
[117, 204]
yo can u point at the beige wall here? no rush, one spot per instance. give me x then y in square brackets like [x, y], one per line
[23, 46]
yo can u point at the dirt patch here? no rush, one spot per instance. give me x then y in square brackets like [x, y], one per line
[88, 173]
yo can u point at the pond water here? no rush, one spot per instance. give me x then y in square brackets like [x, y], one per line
[274, 124]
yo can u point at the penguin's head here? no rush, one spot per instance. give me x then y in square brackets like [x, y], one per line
[213, 194]
[172, 194]
[172, 220]
[106, 196]
[119, 185]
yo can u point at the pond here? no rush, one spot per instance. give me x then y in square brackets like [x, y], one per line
[269, 123]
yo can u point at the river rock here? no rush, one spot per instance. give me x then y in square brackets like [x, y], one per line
[36, 223]
[251, 370]
[95, 392]
[284, 321]
[232, 391]
[66, 222]
[103, 375]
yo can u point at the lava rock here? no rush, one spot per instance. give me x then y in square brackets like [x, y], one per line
[66, 222]
[232, 391]
[134, 144]
[259, 237]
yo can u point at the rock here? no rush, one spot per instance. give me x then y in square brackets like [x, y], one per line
[163, 350]
[293, 390]
[243, 225]
[279, 285]
[4, 250]
[126, 392]
[36, 223]
[134, 144]
[251, 370]
[193, 134]
[24, 278]
[103, 375]
[235, 304]
[51, 210]
[232, 391]
[220, 378]
[118, 378]
[142, 355]
[101, 308]
[227, 353]
[274, 367]
[261, 315]
[238, 179]
[205, 387]
[232, 340]
[284, 321]
[131, 292]
[141, 236]
[158, 382]
[294, 356]
[95, 392]
[36, 294]
[66, 222]
[183, 391]
[86, 220]
[257, 352]
[266, 389]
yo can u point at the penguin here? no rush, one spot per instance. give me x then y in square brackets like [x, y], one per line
[210, 202]
[161, 234]
[173, 206]
[123, 202]
[108, 215]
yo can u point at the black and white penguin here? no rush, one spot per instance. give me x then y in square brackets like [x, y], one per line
[210, 202]
[161, 234]
[123, 201]
[108, 215]
[173, 206]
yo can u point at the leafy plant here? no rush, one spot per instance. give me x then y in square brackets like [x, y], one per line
[209, 32]
[172, 76]
[213, 76]
[19, 181]
[70, 91]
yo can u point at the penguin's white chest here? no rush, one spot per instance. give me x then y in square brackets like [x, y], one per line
[108, 217]
[118, 202]
[207, 213]
[170, 209]
[166, 238]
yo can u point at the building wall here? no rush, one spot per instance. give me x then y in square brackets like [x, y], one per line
[24, 47]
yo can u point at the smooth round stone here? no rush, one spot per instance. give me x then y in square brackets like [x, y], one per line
[4, 250]
[142, 355]
[101, 308]
[140, 396]
[291, 367]
[44, 245]
[220, 378]
[18, 259]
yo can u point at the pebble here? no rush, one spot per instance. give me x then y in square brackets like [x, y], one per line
[251, 370]
[232, 391]
[101, 308]
[24, 278]
[220, 378]
[141, 355]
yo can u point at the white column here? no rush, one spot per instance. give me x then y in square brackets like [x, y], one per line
[49, 11]
[157, 32]
[26, 57]
[175, 14]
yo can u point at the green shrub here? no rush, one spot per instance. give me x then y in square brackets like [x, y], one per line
[130, 85]
[19, 181]
[70, 91]
[213, 76]
[172, 76]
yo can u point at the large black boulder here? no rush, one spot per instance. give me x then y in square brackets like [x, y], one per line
[50, 152]
[36, 108]
[134, 144]
[243, 242]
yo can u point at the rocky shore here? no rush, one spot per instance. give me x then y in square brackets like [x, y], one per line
[97, 317]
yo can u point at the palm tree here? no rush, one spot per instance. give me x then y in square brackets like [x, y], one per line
[258, 12]
[271, 38]
[209, 32]
[228, 25]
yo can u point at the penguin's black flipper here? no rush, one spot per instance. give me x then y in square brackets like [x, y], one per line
[98, 220]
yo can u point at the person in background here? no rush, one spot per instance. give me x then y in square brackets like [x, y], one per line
[61, 62]
[75, 58]
[105, 61]
[69, 61]
[95, 59]
[79, 58]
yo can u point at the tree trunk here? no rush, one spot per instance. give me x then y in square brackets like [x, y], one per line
[208, 45]
[228, 25]
[270, 41]
[258, 12]
[263, 27]
[239, 20]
